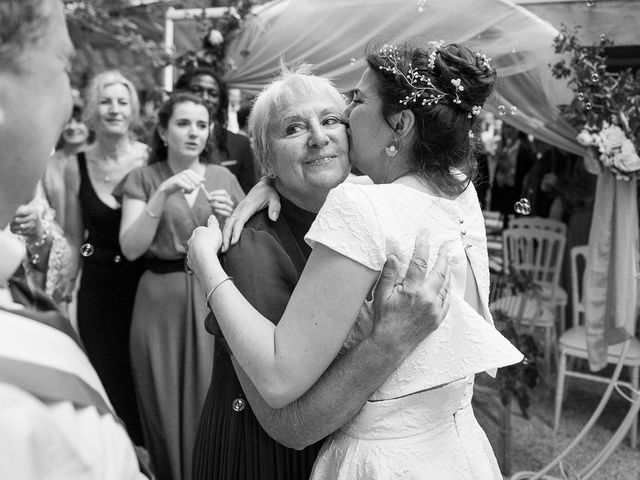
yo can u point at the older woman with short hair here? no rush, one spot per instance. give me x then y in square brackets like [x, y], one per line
[411, 128]
[302, 145]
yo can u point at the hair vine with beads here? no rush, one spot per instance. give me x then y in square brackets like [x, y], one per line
[445, 86]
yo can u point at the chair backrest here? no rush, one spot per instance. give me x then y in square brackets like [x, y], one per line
[578, 266]
[539, 222]
[536, 252]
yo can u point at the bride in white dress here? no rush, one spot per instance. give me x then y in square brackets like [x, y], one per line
[411, 126]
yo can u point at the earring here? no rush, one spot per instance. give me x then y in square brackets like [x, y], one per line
[165, 142]
[391, 151]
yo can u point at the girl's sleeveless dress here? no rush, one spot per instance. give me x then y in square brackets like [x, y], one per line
[431, 434]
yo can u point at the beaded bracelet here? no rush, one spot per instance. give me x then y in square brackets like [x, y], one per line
[214, 289]
[41, 241]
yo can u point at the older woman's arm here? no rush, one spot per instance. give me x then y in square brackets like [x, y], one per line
[412, 309]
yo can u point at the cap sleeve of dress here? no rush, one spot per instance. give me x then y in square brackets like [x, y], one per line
[347, 224]
[134, 185]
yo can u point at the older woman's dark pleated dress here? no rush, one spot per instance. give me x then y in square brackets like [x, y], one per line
[230, 445]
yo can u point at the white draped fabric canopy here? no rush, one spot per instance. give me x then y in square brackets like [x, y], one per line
[332, 35]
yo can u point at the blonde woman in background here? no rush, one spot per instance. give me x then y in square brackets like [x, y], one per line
[92, 221]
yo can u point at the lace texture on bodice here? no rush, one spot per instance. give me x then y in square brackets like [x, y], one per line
[368, 222]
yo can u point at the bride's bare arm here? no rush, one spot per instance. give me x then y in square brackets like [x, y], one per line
[406, 310]
[262, 195]
[284, 362]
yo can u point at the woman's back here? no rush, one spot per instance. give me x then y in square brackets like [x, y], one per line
[416, 417]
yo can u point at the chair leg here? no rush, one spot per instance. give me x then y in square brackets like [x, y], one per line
[634, 426]
[562, 318]
[547, 351]
[562, 365]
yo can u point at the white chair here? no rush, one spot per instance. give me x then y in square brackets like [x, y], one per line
[537, 253]
[539, 222]
[560, 295]
[573, 343]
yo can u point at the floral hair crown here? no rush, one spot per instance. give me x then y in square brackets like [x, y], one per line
[421, 85]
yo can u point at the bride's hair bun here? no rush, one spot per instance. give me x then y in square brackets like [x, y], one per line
[445, 86]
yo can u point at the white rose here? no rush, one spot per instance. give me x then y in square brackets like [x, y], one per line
[585, 138]
[612, 138]
[215, 37]
[627, 160]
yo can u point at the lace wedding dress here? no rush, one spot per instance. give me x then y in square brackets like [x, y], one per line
[419, 424]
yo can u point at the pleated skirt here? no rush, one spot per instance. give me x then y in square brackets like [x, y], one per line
[231, 444]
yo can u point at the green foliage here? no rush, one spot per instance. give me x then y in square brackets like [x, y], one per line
[216, 35]
[601, 97]
[515, 381]
[110, 18]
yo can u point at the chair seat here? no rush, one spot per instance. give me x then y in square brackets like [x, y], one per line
[547, 291]
[539, 313]
[574, 342]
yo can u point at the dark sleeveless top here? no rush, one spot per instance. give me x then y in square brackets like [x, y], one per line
[101, 222]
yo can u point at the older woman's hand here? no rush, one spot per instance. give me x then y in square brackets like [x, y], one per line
[203, 247]
[409, 309]
[262, 195]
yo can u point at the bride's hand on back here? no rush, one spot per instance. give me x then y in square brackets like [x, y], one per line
[203, 247]
[262, 195]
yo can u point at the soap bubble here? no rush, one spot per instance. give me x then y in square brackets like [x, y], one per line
[513, 110]
[86, 250]
[502, 110]
[522, 206]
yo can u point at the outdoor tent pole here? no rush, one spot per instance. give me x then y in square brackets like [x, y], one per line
[609, 448]
[168, 47]
[171, 16]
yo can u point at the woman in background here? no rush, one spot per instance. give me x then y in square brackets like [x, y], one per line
[162, 203]
[92, 222]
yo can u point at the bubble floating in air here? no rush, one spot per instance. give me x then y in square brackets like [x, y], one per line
[595, 78]
[522, 206]
[422, 6]
[86, 250]
[502, 110]
[513, 110]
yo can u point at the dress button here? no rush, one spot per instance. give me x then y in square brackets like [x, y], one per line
[117, 259]
[467, 245]
[461, 220]
[463, 232]
[238, 405]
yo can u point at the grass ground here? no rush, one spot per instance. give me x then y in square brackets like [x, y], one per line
[534, 444]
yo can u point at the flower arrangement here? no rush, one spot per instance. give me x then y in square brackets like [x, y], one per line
[606, 106]
[217, 32]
